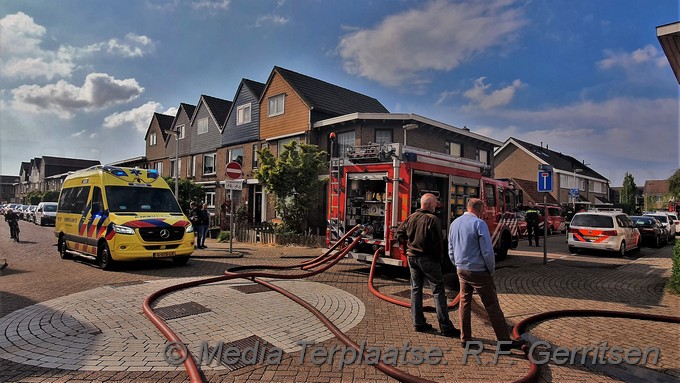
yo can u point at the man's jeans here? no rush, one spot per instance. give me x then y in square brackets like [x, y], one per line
[427, 268]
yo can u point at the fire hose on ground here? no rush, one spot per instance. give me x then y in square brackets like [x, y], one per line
[323, 263]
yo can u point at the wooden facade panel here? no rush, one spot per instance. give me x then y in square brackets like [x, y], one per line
[245, 132]
[296, 113]
[206, 141]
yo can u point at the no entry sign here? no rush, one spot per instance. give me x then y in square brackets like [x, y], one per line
[233, 170]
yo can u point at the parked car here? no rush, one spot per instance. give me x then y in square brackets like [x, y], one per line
[555, 218]
[21, 210]
[674, 217]
[666, 221]
[46, 213]
[30, 213]
[603, 230]
[651, 230]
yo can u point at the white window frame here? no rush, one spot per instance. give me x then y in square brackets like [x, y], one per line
[153, 140]
[256, 158]
[214, 157]
[230, 156]
[276, 105]
[243, 113]
[173, 167]
[193, 166]
[159, 167]
[202, 125]
[210, 198]
[181, 132]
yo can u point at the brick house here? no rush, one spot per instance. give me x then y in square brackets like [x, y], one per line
[520, 160]
[656, 195]
[156, 138]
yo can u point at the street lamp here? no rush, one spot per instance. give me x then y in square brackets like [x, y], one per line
[176, 170]
[408, 127]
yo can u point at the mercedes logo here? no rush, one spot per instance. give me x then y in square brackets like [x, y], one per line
[165, 233]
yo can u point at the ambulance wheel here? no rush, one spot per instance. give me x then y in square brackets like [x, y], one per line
[179, 261]
[104, 257]
[63, 248]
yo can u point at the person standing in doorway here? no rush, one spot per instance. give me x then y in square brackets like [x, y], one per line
[422, 233]
[203, 224]
[532, 218]
[471, 250]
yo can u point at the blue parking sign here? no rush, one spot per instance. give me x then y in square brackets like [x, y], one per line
[545, 181]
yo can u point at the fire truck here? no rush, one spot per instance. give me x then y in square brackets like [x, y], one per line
[378, 186]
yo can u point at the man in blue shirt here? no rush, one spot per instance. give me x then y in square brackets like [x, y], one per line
[424, 239]
[471, 250]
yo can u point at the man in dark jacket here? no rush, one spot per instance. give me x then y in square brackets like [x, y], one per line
[422, 232]
[532, 218]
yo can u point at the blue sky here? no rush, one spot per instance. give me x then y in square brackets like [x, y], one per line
[82, 78]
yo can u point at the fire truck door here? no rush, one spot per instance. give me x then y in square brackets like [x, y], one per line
[489, 200]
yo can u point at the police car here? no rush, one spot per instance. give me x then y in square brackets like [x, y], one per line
[603, 230]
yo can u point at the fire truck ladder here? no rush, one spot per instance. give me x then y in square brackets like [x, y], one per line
[334, 222]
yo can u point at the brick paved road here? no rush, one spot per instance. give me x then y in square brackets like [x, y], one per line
[36, 275]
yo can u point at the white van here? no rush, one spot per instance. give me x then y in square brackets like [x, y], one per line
[46, 213]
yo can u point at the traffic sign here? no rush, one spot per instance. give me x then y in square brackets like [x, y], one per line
[573, 192]
[545, 181]
[233, 184]
[233, 170]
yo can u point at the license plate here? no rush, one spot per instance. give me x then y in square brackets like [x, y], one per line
[164, 254]
[591, 238]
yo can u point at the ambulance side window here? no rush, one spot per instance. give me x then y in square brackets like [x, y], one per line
[80, 199]
[97, 205]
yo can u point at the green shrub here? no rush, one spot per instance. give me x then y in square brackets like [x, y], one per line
[674, 283]
[223, 236]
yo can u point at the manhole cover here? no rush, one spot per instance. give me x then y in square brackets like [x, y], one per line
[181, 310]
[251, 289]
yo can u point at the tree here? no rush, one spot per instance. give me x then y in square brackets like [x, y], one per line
[628, 193]
[50, 196]
[188, 191]
[674, 185]
[34, 197]
[293, 177]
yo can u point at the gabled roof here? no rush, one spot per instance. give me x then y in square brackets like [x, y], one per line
[530, 190]
[325, 97]
[557, 160]
[164, 122]
[257, 88]
[185, 108]
[217, 107]
[25, 168]
[58, 165]
[656, 187]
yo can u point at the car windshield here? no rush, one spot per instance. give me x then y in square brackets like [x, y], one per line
[141, 199]
[661, 218]
[50, 208]
[643, 221]
[592, 220]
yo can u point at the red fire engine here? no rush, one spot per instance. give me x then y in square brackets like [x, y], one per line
[363, 185]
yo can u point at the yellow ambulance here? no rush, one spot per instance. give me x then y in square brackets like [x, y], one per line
[110, 214]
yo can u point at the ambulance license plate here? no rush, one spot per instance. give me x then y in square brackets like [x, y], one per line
[164, 254]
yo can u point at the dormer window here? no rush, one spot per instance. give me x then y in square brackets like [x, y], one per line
[152, 139]
[202, 125]
[275, 105]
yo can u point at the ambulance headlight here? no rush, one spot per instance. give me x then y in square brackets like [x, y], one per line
[120, 229]
[190, 229]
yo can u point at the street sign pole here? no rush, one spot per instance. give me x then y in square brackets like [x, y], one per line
[231, 221]
[545, 186]
[233, 172]
[545, 228]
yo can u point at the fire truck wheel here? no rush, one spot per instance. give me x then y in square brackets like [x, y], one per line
[502, 251]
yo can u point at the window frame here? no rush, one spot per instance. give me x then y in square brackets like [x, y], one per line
[278, 100]
[241, 116]
[214, 158]
[389, 132]
[153, 139]
[341, 138]
[202, 129]
[478, 153]
[450, 145]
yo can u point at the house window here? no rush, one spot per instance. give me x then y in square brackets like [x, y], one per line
[202, 125]
[483, 156]
[383, 136]
[254, 156]
[597, 187]
[210, 198]
[455, 149]
[243, 114]
[286, 141]
[236, 155]
[193, 166]
[180, 130]
[209, 164]
[345, 140]
[152, 139]
[159, 168]
[173, 167]
[276, 105]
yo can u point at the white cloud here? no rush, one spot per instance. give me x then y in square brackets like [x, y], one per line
[630, 60]
[22, 57]
[79, 134]
[213, 5]
[271, 19]
[137, 117]
[441, 36]
[172, 111]
[64, 99]
[481, 98]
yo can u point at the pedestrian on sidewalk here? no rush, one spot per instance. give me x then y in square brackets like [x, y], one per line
[203, 224]
[471, 250]
[422, 233]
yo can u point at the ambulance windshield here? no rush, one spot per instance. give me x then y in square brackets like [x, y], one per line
[141, 199]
